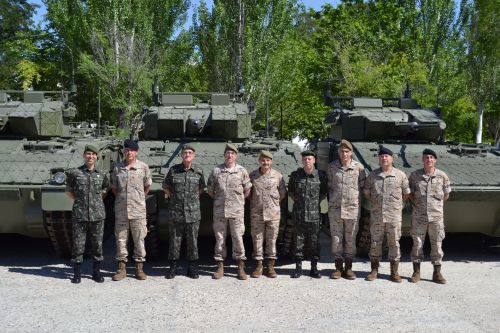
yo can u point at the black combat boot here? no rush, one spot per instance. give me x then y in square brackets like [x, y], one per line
[77, 273]
[173, 270]
[96, 272]
[314, 270]
[193, 270]
[298, 269]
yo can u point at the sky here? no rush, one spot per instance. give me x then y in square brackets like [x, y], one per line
[315, 4]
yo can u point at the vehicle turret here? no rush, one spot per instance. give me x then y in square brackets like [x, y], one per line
[35, 114]
[197, 116]
[364, 119]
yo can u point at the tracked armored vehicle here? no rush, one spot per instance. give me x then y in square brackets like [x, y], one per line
[405, 128]
[207, 121]
[38, 145]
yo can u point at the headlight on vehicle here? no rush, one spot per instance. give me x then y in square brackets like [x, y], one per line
[60, 177]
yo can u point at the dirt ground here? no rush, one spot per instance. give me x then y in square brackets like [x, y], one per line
[37, 296]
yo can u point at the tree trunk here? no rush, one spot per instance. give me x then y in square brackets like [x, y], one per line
[479, 133]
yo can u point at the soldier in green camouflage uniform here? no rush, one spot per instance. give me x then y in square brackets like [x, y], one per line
[307, 187]
[183, 185]
[87, 186]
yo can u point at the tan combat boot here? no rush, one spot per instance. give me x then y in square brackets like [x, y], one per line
[220, 270]
[339, 269]
[348, 273]
[139, 273]
[416, 273]
[121, 271]
[241, 270]
[258, 269]
[394, 272]
[373, 274]
[436, 276]
[271, 273]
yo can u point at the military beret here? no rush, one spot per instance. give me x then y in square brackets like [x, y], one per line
[131, 144]
[345, 144]
[187, 146]
[231, 147]
[91, 148]
[265, 153]
[428, 151]
[308, 153]
[384, 151]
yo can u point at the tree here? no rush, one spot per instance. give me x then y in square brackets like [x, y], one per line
[119, 45]
[481, 31]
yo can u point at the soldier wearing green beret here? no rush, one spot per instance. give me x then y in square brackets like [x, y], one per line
[229, 185]
[183, 185]
[307, 187]
[87, 186]
[268, 189]
[346, 178]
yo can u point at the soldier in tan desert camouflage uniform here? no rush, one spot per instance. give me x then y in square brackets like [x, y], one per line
[346, 178]
[386, 188]
[229, 185]
[130, 182]
[268, 189]
[430, 188]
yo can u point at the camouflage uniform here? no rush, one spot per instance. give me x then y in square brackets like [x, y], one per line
[344, 186]
[88, 210]
[184, 213]
[427, 217]
[265, 211]
[228, 186]
[386, 199]
[130, 207]
[307, 192]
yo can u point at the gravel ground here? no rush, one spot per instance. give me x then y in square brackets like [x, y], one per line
[37, 296]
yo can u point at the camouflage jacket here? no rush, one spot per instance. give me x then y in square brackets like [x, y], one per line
[267, 189]
[307, 192]
[228, 186]
[88, 187]
[386, 194]
[129, 182]
[345, 185]
[186, 186]
[428, 193]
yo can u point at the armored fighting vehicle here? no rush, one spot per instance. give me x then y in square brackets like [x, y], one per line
[207, 121]
[38, 145]
[405, 128]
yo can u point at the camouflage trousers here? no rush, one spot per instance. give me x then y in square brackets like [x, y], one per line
[95, 230]
[237, 229]
[264, 231]
[436, 233]
[343, 233]
[176, 232]
[138, 230]
[307, 235]
[392, 231]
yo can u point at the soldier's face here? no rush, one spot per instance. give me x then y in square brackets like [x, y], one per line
[429, 161]
[230, 156]
[345, 155]
[385, 160]
[265, 163]
[130, 155]
[308, 162]
[187, 156]
[90, 157]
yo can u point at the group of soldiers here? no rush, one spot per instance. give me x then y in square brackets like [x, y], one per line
[229, 184]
